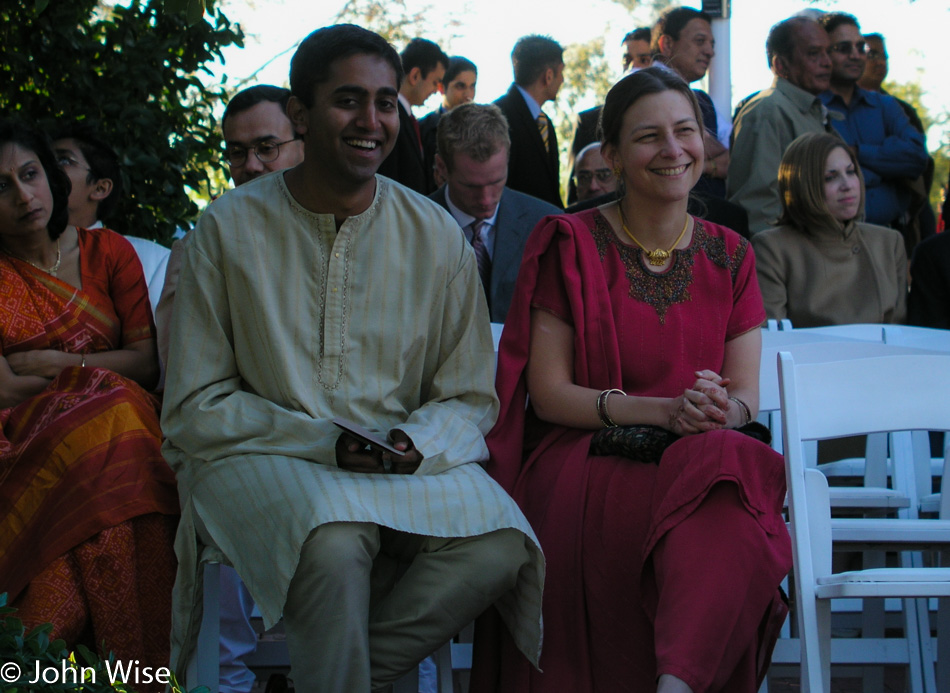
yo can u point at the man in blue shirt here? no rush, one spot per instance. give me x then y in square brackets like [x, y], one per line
[888, 147]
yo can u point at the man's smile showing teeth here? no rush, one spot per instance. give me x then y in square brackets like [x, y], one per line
[362, 144]
[671, 171]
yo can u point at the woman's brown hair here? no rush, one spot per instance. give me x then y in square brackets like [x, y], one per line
[801, 182]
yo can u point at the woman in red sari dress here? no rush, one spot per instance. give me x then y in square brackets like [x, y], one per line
[87, 504]
[663, 572]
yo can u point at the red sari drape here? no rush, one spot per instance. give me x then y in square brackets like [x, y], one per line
[638, 554]
[82, 479]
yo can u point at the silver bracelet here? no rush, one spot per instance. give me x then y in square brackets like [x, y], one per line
[745, 409]
[602, 407]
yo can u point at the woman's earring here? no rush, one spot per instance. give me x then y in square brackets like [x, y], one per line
[617, 171]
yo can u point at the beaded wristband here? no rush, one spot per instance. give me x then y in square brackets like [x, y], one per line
[602, 407]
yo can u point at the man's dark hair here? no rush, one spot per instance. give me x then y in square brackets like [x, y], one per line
[642, 34]
[532, 55]
[781, 39]
[458, 64]
[424, 54]
[250, 97]
[672, 22]
[832, 20]
[15, 132]
[102, 159]
[311, 63]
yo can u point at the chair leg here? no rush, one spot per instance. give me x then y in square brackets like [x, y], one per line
[823, 621]
[207, 652]
[814, 626]
[872, 625]
[443, 663]
[917, 631]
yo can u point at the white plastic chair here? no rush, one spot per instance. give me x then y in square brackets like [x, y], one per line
[855, 397]
[154, 259]
[873, 495]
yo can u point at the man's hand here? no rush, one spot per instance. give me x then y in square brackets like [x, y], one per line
[409, 462]
[353, 455]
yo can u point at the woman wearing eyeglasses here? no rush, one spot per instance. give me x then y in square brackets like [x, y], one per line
[88, 506]
[822, 265]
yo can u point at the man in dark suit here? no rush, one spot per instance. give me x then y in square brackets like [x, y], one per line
[473, 158]
[538, 64]
[636, 56]
[458, 87]
[424, 65]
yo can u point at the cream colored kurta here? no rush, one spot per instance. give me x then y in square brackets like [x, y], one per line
[832, 276]
[282, 323]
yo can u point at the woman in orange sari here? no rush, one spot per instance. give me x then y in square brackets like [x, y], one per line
[87, 504]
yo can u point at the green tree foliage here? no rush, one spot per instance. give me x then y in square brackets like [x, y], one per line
[133, 73]
[395, 22]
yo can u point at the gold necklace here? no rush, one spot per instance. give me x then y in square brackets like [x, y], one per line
[49, 270]
[656, 257]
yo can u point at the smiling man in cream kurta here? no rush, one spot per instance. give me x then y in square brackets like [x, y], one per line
[326, 291]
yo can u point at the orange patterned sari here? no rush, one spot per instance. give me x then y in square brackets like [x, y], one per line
[85, 495]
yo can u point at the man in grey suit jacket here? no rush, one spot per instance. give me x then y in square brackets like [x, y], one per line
[473, 151]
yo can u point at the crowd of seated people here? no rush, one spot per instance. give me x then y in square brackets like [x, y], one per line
[631, 330]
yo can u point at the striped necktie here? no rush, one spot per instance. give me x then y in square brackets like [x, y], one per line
[482, 257]
[544, 129]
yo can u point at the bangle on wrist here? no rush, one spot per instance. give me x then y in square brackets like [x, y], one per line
[602, 407]
[744, 410]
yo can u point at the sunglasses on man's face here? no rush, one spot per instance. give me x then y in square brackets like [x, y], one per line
[847, 47]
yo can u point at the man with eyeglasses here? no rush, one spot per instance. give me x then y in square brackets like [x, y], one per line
[96, 179]
[93, 170]
[891, 152]
[259, 139]
[592, 175]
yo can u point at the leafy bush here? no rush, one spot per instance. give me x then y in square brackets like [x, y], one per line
[133, 73]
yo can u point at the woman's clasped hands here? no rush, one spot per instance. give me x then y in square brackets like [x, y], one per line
[702, 407]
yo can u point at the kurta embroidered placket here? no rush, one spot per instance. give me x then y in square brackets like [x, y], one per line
[335, 307]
